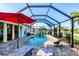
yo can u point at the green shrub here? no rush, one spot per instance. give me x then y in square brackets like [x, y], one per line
[76, 40]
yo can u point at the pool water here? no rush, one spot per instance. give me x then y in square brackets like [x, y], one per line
[36, 41]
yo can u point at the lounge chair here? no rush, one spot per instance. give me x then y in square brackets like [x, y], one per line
[58, 42]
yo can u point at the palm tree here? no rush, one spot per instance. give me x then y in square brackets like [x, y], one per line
[75, 14]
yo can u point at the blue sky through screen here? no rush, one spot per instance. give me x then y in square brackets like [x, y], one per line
[65, 7]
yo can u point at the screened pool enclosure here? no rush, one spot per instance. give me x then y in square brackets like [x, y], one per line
[55, 18]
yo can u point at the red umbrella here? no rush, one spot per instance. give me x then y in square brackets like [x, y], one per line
[25, 19]
[11, 19]
[16, 17]
[5, 15]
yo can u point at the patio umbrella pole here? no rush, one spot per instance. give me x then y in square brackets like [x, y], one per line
[18, 36]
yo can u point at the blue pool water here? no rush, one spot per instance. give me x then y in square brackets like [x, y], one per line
[36, 41]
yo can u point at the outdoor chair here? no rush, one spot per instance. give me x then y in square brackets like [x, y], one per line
[28, 34]
[29, 53]
[58, 42]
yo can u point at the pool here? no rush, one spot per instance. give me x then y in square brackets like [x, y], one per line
[36, 41]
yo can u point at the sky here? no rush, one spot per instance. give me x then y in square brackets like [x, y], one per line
[65, 7]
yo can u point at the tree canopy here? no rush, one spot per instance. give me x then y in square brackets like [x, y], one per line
[74, 14]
